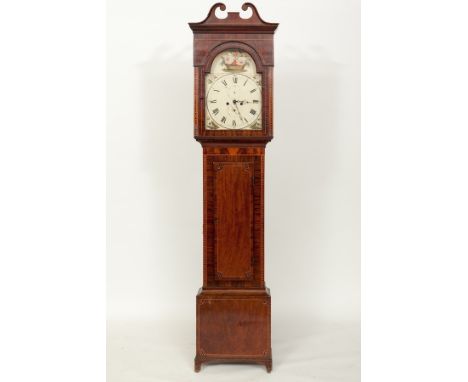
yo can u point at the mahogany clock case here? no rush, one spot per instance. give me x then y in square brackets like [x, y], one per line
[233, 307]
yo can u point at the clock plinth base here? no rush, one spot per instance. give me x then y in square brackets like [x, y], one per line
[234, 326]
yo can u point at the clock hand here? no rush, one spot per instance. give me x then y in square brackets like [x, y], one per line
[238, 111]
[244, 101]
[230, 109]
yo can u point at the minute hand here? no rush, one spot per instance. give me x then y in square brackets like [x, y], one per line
[238, 111]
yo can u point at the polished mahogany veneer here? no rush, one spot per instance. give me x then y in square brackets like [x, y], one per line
[234, 305]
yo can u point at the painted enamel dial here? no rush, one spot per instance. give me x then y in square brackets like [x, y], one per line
[233, 93]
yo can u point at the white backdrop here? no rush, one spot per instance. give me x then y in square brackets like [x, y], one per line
[312, 185]
[414, 209]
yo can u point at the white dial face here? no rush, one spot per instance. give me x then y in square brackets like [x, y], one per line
[234, 101]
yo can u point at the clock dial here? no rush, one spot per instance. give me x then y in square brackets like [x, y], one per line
[234, 102]
[233, 93]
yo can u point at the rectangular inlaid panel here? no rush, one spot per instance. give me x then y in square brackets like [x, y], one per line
[233, 191]
[234, 327]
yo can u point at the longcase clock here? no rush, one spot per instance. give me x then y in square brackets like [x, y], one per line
[233, 61]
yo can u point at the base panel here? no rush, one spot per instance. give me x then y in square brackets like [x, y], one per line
[234, 326]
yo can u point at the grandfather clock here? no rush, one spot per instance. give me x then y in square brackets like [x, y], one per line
[233, 60]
